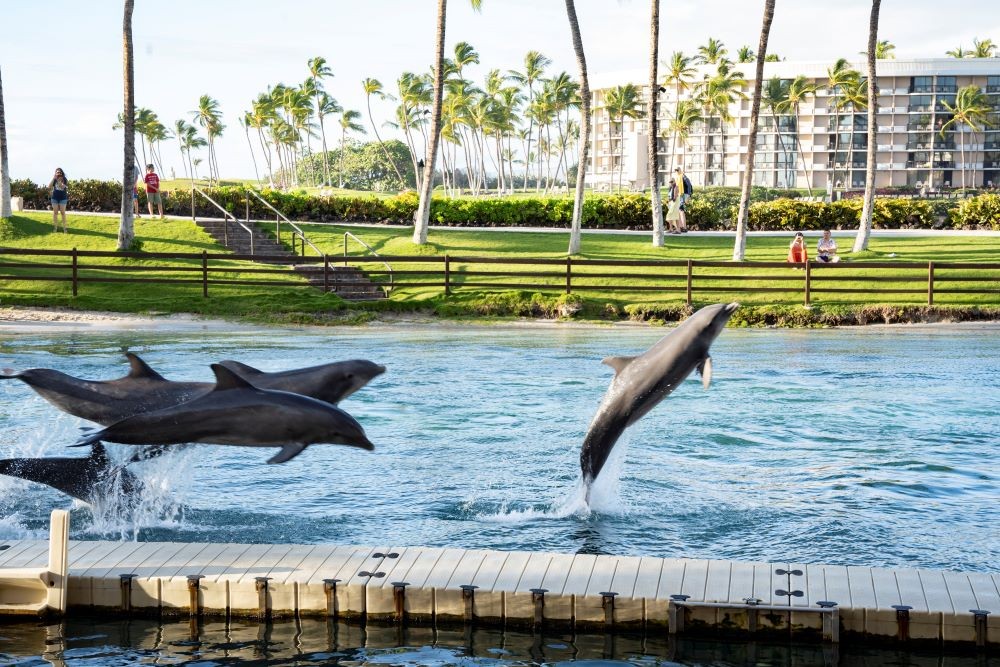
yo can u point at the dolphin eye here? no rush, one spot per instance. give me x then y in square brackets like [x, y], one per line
[350, 376]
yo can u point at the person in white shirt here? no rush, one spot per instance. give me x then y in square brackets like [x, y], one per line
[826, 249]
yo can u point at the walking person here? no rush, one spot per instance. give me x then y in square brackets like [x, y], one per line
[60, 197]
[686, 190]
[153, 190]
[673, 207]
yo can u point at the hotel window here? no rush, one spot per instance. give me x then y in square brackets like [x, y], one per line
[945, 84]
[993, 84]
[920, 103]
[921, 84]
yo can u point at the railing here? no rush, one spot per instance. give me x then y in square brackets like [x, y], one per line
[684, 279]
[372, 251]
[226, 216]
[297, 232]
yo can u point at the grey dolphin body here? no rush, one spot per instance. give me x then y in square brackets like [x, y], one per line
[643, 381]
[109, 401]
[89, 478]
[237, 413]
[143, 389]
[329, 382]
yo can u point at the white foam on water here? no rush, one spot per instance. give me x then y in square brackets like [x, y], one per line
[12, 528]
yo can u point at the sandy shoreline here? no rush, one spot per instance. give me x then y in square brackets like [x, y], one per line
[56, 318]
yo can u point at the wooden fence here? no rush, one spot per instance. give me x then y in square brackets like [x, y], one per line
[687, 279]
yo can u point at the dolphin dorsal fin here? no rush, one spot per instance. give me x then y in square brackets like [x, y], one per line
[617, 363]
[242, 369]
[140, 369]
[705, 370]
[225, 379]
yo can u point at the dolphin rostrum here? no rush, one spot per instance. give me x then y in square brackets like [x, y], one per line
[143, 389]
[237, 413]
[89, 478]
[643, 381]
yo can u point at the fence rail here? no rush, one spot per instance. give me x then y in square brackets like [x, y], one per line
[689, 278]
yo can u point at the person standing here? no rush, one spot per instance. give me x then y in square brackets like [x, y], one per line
[153, 190]
[60, 197]
[686, 190]
[673, 207]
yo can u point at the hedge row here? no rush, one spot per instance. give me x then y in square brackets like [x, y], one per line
[709, 209]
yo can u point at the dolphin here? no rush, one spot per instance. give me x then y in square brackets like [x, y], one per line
[641, 382]
[109, 401]
[329, 382]
[89, 478]
[237, 413]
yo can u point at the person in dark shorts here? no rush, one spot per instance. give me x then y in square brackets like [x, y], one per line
[153, 190]
[60, 197]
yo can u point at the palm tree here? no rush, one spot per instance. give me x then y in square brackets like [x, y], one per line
[652, 113]
[581, 167]
[958, 52]
[739, 251]
[534, 67]
[686, 116]
[679, 75]
[853, 99]
[712, 53]
[374, 87]
[798, 90]
[883, 50]
[423, 214]
[5, 211]
[972, 109]
[622, 102]
[209, 116]
[868, 208]
[245, 122]
[838, 77]
[718, 93]
[983, 49]
[348, 123]
[775, 100]
[745, 55]
[126, 231]
[319, 70]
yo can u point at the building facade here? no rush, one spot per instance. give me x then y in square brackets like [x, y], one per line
[824, 145]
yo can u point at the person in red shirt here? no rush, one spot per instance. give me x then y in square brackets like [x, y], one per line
[797, 250]
[153, 190]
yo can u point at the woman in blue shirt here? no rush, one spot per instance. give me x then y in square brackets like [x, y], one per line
[60, 197]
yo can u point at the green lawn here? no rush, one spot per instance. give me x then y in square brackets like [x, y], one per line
[277, 302]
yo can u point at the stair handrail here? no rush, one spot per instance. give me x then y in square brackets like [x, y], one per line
[281, 216]
[372, 251]
[227, 214]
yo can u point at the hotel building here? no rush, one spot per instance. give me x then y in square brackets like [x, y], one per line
[910, 148]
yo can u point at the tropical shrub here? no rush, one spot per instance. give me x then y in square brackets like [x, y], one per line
[980, 211]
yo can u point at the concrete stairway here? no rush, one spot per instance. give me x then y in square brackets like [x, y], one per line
[359, 286]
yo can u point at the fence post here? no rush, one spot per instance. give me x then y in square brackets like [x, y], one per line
[930, 283]
[326, 273]
[690, 280]
[447, 275]
[75, 267]
[569, 272]
[808, 281]
[204, 273]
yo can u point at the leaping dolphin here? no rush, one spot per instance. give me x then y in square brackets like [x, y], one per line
[107, 402]
[89, 478]
[329, 382]
[237, 413]
[643, 381]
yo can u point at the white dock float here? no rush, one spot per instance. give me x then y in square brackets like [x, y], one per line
[37, 587]
[487, 588]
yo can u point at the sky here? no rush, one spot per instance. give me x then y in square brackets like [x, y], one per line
[61, 61]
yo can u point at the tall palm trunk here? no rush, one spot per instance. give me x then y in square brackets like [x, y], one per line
[252, 155]
[343, 149]
[802, 155]
[423, 215]
[326, 158]
[740, 247]
[385, 150]
[781, 143]
[5, 211]
[126, 232]
[867, 210]
[581, 168]
[652, 163]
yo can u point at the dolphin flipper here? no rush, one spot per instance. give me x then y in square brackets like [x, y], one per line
[287, 453]
[705, 370]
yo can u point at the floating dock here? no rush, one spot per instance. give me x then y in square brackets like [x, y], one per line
[522, 589]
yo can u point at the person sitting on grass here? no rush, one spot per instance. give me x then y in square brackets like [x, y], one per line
[797, 253]
[826, 249]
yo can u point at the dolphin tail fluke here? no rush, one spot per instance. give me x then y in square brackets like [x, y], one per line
[9, 374]
[89, 439]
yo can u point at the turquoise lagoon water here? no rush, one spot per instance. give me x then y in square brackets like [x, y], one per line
[871, 446]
